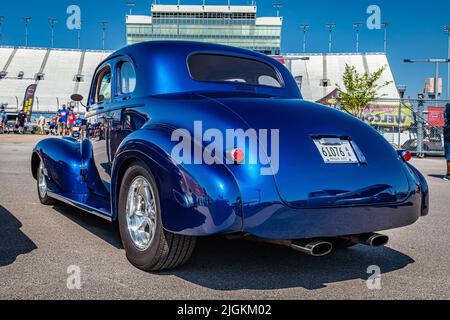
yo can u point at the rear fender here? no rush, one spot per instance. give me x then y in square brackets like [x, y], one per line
[196, 200]
[423, 184]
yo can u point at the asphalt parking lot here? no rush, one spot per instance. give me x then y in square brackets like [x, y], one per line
[38, 244]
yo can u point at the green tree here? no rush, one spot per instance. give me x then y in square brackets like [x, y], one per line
[360, 90]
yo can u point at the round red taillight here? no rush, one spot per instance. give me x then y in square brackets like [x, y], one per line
[406, 155]
[238, 156]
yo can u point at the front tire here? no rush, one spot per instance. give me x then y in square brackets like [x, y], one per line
[42, 188]
[147, 245]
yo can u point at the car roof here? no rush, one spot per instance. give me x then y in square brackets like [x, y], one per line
[161, 68]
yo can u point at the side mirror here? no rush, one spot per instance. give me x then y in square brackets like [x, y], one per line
[76, 135]
[76, 97]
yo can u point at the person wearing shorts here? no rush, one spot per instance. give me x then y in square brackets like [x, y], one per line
[62, 120]
[20, 121]
[4, 121]
[52, 126]
[447, 139]
[70, 122]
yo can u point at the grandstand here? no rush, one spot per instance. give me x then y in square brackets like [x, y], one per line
[60, 73]
[57, 72]
[322, 72]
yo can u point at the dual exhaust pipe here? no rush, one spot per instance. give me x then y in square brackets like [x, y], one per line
[320, 248]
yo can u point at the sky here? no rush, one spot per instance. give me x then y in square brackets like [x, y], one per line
[417, 29]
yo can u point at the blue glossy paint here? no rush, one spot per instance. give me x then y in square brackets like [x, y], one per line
[306, 198]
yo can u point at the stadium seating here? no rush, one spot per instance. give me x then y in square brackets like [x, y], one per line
[60, 73]
[322, 72]
[57, 72]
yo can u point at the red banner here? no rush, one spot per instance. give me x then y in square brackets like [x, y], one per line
[436, 116]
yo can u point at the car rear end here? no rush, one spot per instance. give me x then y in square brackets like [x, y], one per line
[335, 175]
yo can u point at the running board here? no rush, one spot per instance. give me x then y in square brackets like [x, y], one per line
[87, 208]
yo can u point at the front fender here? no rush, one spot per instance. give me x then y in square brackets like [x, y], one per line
[196, 200]
[63, 161]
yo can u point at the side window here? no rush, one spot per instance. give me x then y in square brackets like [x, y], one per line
[126, 78]
[103, 89]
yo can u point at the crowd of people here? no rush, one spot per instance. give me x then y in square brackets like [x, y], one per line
[63, 123]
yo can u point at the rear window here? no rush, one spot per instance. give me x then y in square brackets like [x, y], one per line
[222, 68]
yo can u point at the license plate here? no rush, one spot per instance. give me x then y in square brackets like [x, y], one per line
[335, 151]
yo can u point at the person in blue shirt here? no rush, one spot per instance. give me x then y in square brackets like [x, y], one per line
[20, 121]
[62, 120]
[52, 126]
[78, 120]
[3, 120]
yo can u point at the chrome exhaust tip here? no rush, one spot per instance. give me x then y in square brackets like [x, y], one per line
[315, 248]
[370, 239]
[312, 247]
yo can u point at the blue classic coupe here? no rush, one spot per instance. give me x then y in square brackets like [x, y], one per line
[185, 140]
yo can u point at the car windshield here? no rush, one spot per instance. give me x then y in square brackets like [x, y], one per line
[223, 68]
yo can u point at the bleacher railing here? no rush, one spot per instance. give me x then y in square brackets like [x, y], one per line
[44, 105]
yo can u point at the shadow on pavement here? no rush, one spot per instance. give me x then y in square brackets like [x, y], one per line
[99, 227]
[13, 242]
[222, 264]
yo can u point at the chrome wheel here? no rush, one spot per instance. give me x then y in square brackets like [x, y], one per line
[42, 183]
[141, 213]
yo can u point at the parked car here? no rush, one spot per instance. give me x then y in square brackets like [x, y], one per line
[436, 146]
[11, 126]
[31, 127]
[335, 183]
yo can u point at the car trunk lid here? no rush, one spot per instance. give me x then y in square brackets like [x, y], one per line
[304, 179]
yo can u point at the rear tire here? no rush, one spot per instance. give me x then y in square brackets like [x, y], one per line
[42, 188]
[147, 245]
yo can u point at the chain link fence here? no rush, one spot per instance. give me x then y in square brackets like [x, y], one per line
[409, 124]
[412, 124]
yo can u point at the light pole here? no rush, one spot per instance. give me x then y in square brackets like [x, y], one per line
[385, 25]
[401, 92]
[26, 20]
[278, 5]
[358, 26]
[305, 28]
[131, 5]
[79, 34]
[2, 18]
[104, 25]
[330, 27]
[52, 22]
[447, 30]
[436, 80]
